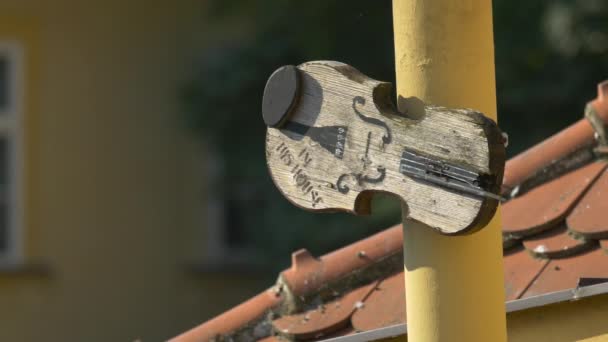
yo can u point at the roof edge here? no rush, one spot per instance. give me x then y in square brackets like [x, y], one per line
[557, 297]
[512, 306]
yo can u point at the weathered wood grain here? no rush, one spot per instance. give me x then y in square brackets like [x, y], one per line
[344, 141]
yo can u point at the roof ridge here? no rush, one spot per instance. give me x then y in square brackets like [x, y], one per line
[352, 265]
[561, 150]
[552, 156]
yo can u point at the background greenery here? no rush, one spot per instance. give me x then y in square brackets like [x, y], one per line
[549, 57]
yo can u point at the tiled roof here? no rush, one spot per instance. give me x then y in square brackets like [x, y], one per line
[555, 237]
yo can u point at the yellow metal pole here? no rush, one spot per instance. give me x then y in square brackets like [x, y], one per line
[444, 55]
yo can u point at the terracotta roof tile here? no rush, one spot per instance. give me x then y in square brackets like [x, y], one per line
[520, 271]
[556, 243]
[589, 218]
[563, 274]
[384, 307]
[236, 319]
[530, 162]
[308, 273]
[557, 147]
[324, 318]
[545, 205]
[550, 241]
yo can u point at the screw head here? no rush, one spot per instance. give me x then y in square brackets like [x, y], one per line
[280, 95]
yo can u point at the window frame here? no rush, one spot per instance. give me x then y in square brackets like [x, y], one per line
[11, 129]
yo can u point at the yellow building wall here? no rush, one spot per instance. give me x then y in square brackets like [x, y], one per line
[569, 321]
[113, 185]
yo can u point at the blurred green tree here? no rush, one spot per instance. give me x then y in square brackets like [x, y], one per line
[549, 56]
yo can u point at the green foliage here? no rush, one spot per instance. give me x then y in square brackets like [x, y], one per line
[549, 55]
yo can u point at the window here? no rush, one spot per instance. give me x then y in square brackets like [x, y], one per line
[11, 78]
[226, 244]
